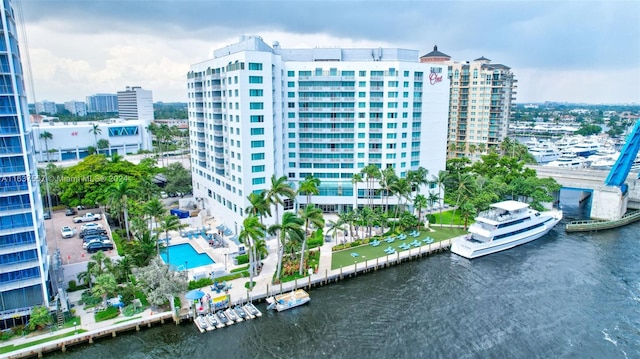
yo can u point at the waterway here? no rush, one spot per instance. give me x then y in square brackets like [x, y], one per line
[561, 296]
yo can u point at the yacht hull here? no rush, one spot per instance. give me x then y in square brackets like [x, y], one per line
[470, 250]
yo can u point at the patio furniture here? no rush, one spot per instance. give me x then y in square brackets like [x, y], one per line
[354, 254]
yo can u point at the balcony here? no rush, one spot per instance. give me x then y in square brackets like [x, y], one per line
[20, 283]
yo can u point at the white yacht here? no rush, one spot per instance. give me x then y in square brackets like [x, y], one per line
[544, 154]
[568, 159]
[506, 225]
[585, 149]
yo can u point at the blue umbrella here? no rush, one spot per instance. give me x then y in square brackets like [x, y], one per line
[194, 294]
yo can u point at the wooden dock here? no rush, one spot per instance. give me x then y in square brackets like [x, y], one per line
[600, 225]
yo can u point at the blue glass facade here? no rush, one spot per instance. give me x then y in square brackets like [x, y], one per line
[24, 266]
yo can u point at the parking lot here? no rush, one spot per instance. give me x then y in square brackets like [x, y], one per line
[71, 248]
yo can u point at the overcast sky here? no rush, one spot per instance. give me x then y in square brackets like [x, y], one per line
[573, 51]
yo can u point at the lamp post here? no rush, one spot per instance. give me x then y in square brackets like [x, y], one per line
[186, 270]
[74, 327]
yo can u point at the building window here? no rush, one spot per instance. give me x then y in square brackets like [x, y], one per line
[291, 73]
[256, 169]
[257, 144]
[257, 181]
[255, 66]
[256, 106]
[255, 79]
[255, 92]
[291, 84]
[257, 156]
[257, 131]
[257, 118]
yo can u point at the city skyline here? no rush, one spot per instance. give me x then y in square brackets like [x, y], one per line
[555, 49]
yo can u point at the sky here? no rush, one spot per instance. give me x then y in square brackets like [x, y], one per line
[563, 51]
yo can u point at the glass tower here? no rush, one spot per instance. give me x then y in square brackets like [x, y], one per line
[24, 263]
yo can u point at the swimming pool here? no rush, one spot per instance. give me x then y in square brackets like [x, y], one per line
[181, 253]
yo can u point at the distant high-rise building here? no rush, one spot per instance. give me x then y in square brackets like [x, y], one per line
[47, 107]
[77, 108]
[480, 103]
[135, 104]
[256, 111]
[102, 103]
[24, 258]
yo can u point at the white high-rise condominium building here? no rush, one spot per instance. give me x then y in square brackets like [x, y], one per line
[135, 104]
[46, 107]
[77, 108]
[24, 258]
[257, 111]
[102, 103]
[480, 105]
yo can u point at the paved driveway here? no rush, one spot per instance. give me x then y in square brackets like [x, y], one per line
[71, 250]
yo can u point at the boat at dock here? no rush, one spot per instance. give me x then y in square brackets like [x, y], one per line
[288, 300]
[505, 225]
[231, 314]
[252, 310]
[201, 323]
[223, 318]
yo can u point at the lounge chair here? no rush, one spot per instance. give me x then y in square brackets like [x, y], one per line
[354, 254]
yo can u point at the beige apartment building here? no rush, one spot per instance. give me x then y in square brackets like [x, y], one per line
[480, 103]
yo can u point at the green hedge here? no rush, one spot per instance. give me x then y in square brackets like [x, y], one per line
[107, 314]
[117, 239]
[200, 283]
[242, 259]
[240, 269]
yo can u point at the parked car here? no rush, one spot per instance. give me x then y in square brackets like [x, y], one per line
[88, 217]
[91, 238]
[47, 215]
[67, 232]
[90, 226]
[93, 232]
[99, 246]
[70, 212]
[105, 242]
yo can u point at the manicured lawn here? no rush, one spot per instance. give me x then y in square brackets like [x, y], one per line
[367, 252]
[446, 218]
[10, 348]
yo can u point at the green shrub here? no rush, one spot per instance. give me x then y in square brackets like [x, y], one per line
[73, 286]
[242, 259]
[232, 276]
[315, 242]
[120, 244]
[200, 283]
[432, 219]
[143, 298]
[6, 335]
[107, 314]
[240, 269]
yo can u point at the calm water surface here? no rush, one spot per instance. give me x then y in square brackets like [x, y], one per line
[561, 296]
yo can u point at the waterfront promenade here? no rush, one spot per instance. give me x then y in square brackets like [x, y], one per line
[89, 329]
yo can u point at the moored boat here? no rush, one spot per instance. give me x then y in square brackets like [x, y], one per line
[505, 225]
[288, 300]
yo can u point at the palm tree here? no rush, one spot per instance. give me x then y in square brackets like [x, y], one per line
[279, 189]
[96, 130]
[105, 285]
[467, 211]
[290, 228]
[419, 202]
[372, 173]
[440, 180]
[482, 147]
[259, 206]
[119, 193]
[169, 223]
[463, 189]
[155, 210]
[388, 177]
[144, 248]
[311, 215]
[402, 189]
[252, 231]
[122, 269]
[46, 136]
[309, 187]
[334, 227]
[260, 247]
[357, 178]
